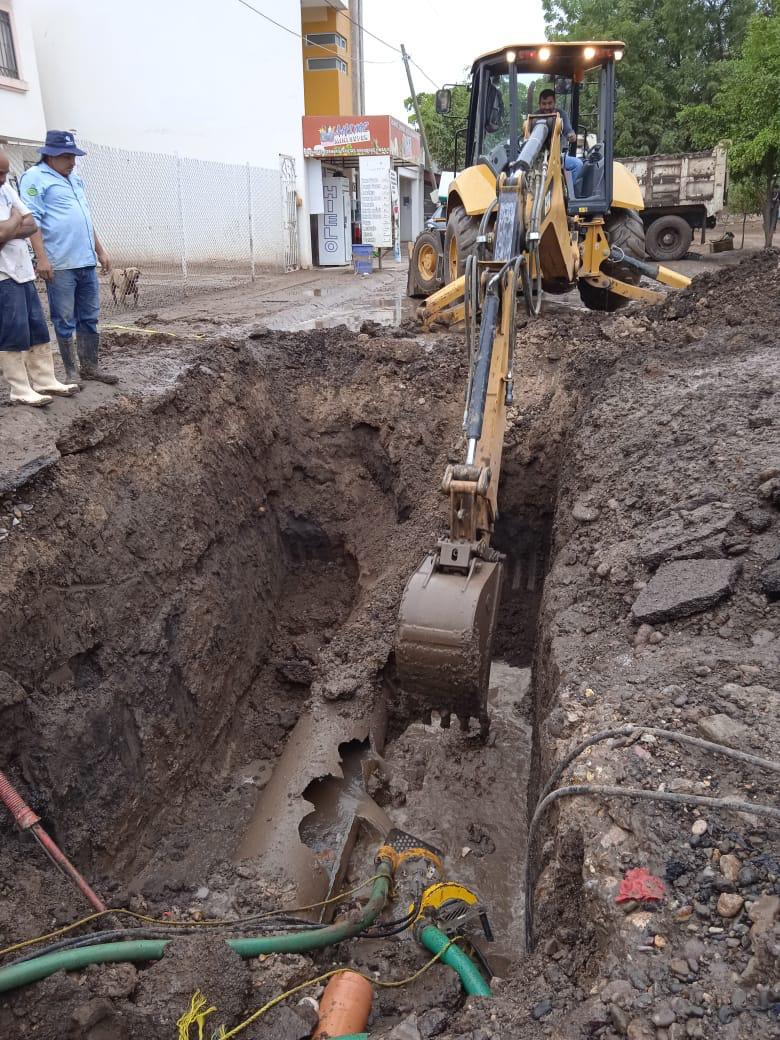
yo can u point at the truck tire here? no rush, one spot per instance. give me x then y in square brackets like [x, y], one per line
[460, 241]
[423, 264]
[624, 229]
[668, 238]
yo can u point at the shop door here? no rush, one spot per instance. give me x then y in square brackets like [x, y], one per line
[289, 213]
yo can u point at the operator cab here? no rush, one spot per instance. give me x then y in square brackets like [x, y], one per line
[505, 89]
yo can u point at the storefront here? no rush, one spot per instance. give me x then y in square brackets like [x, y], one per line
[365, 184]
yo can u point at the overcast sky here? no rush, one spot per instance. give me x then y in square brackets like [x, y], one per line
[442, 36]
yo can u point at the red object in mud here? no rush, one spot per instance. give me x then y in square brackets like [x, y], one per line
[641, 885]
[27, 820]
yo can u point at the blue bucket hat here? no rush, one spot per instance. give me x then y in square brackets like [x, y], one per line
[60, 142]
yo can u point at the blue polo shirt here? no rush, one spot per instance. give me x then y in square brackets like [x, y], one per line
[60, 208]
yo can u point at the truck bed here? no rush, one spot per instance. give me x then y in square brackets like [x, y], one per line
[689, 179]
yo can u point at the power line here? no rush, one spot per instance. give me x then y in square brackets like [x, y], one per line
[328, 50]
[363, 28]
[380, 40]
[287, 29]
[435, 85]
[305, 39]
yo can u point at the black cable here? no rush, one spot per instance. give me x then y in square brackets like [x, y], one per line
[631, 729]
[412, 912]
[96, 938]
[384, 929]
[386, 934]
[628, 730]
[160, 932]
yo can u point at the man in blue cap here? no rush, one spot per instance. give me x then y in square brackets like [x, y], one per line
[67, 251]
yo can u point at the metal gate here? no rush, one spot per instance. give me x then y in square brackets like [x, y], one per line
[289, 213]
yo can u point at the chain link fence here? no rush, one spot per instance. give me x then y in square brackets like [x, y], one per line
[176, 227]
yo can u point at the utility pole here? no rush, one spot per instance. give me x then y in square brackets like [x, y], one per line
[426, 150]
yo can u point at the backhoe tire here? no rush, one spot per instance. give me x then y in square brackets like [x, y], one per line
[423, 265]
[668, 238]
[624, 229]
[460, 241]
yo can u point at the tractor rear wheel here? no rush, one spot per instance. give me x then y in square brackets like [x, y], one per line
[460, 241]
[624, 229]
[424, 263]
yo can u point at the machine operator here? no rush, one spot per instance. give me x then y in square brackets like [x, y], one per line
[548, 107]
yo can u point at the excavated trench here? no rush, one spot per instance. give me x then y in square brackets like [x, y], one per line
[200, 612]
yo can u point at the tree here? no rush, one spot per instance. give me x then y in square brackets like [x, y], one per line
[746, 196]
[746, 111]
[677, 52]
[440, 130]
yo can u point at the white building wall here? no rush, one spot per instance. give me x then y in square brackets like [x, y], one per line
[203, 79]
[21, 104]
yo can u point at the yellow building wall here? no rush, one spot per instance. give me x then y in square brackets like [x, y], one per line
[327, 92]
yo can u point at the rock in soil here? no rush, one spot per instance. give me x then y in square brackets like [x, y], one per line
[685, 587]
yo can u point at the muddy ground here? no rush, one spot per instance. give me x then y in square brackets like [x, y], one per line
[212, 556]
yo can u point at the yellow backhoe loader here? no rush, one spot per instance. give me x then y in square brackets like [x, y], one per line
[519, 224]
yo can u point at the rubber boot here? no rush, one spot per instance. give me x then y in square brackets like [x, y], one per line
[88, 346]
[40, 368]
[68, 355]
[15, 371]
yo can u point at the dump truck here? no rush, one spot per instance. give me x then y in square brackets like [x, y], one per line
[682, 194]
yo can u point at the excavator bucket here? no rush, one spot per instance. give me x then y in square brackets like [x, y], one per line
[445, 635]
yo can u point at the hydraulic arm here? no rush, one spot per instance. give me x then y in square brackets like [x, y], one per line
[449, 608]
[450, 605]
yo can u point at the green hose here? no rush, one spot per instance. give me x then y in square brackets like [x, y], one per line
[16, 975]
[473, 983]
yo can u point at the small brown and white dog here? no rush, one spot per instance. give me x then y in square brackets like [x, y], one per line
[124, 283]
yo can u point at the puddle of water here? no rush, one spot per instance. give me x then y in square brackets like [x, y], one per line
[384, 311]
[470, 802]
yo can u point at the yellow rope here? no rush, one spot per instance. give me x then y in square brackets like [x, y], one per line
[219, 923]
[196, 1015]
[221, 1034]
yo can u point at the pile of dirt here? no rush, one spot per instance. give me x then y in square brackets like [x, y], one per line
[204, 564]
[671, 459]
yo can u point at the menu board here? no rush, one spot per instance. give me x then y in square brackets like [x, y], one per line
[376, 210]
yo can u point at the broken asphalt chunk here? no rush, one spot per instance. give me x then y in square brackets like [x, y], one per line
[696, 532]
[685, 587]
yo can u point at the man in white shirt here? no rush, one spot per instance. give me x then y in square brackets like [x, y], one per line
[25, 354]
